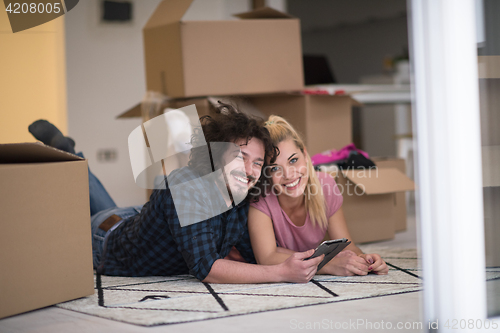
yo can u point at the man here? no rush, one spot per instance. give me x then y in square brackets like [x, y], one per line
[155, 241]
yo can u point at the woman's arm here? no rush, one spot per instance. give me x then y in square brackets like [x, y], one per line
[351, 261]
[263, 239]
[337, 228]
[284, 250]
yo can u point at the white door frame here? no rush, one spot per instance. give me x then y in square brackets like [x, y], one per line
[448, 164]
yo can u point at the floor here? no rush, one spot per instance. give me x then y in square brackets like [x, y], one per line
[397, 313]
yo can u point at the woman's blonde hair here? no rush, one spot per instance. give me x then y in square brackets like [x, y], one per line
[281, 130]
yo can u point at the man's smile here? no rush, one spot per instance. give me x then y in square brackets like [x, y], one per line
[242, 177]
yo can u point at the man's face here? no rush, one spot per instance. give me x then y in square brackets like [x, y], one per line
[244, 166]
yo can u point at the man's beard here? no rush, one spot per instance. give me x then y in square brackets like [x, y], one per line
[237, 193]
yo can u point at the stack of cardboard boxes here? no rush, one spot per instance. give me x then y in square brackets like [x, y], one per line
[257, 59]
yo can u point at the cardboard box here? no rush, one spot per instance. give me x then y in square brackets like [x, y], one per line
[46, 251]
[323, 121]
[491, 198]
[399, 207]
[259, 53]
[369, 197]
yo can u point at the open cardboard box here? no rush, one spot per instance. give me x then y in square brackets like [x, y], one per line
[324, 121]
[369, 201]
[259, 53]
[399, 209]
[46, 250]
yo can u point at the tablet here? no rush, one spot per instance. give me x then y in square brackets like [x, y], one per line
[330, 249]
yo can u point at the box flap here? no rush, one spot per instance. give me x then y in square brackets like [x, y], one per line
[134, 111]
[264, 13]
[355, 102]
[380, 180]
[168, 11]
[491, 166]
[33, 152]
[241, 102]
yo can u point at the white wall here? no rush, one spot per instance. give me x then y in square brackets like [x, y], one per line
[105, 76]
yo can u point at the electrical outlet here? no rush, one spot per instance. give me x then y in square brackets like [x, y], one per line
[107, 155]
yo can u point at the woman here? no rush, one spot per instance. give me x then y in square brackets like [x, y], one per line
[300, 208]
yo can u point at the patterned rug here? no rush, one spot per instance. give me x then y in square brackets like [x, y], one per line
[150, 301]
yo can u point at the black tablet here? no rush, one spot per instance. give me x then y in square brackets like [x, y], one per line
[330, 249]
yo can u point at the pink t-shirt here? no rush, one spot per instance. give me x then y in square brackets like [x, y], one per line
[305, 237]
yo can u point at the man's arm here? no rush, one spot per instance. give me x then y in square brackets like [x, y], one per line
[294, 269]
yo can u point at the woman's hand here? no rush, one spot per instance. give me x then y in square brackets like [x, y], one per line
[346, 263]
[351, 261]
[376, 264]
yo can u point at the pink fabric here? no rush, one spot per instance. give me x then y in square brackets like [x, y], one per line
[305, 237]
[336, 155]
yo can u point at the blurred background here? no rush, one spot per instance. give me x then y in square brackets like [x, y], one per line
[104, 75]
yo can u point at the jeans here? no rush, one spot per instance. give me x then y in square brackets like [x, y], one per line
[102, 207]
[100, 236]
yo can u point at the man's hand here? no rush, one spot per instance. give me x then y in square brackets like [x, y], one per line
[346, 263]
[376, 264]
[296, 269]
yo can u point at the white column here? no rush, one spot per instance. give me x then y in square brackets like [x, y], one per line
[448, 168]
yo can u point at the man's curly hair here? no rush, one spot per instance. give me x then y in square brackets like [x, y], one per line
[228, 124]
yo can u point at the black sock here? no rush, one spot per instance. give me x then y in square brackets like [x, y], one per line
[50, 135]
[63, 143]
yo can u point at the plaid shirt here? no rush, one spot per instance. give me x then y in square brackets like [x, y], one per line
[153, 242]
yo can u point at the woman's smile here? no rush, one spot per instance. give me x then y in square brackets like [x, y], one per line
[293, 185]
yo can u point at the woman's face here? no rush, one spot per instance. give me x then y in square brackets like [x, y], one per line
[289, 172]
[243, 165]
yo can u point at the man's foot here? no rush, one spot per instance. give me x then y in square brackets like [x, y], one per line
[50, 135]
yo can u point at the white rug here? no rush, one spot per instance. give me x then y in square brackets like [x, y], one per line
[150, 301]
